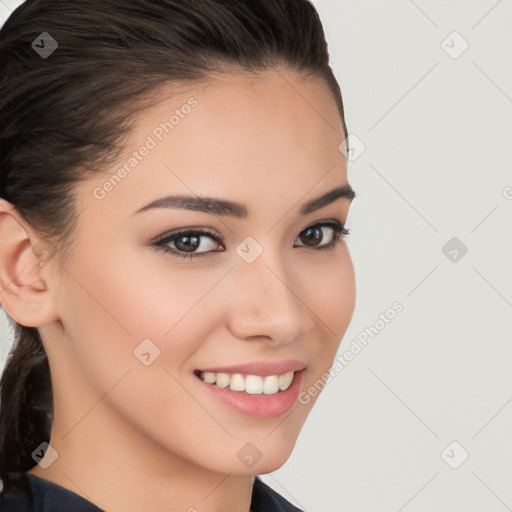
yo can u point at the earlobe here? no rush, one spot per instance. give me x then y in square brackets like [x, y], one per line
[24, 288]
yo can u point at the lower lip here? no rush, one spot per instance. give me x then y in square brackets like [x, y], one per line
[262, 406]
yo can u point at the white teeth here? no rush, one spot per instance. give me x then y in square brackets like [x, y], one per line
[251, 384]
[222, 380]
[237, 382]
[285, 380]
[271, 384]
[209, 377]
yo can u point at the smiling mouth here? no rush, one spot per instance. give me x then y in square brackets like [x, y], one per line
[250, 384]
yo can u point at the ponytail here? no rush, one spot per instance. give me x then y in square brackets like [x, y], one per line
[26, 401]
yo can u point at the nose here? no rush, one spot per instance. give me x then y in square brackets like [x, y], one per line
[267, 302]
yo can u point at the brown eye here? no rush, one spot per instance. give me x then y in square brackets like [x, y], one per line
[313, 235]
[186, 242]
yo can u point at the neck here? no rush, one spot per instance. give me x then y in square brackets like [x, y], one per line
[119, 469]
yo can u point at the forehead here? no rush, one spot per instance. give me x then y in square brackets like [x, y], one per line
[272, 102]
[234, 136]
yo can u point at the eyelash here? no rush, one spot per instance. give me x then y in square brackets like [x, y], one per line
[339, 232]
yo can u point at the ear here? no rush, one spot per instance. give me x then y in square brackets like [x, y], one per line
[24, 291]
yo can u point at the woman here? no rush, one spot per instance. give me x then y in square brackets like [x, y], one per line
[174, 193]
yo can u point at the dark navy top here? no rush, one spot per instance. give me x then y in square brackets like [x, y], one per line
[25, 492]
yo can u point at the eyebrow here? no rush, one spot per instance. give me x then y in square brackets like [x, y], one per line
[216, 206]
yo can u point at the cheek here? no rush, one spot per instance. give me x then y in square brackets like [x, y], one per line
[331, 299]
[138, 297]
[121, 313]
[109, 307]
[331, 294]
[109, 313]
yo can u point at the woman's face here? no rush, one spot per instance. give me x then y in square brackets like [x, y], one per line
[137, 323]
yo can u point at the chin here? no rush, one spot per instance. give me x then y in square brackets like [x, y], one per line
[272, 460]
[260, 458]
[263, 469]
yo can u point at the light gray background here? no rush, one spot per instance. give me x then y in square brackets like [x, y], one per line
[437, 164]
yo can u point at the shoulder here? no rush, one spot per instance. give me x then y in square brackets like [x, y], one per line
[24, 492]
[266, 499]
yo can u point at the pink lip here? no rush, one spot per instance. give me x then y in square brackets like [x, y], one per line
[262, 406]
[261, 368]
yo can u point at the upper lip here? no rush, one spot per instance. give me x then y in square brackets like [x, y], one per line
[263, 368]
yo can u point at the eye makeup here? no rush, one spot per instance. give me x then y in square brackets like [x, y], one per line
[193, 238]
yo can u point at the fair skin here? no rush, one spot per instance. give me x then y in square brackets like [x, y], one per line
[132, 437]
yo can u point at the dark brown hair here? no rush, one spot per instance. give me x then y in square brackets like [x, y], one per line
[64, 117]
